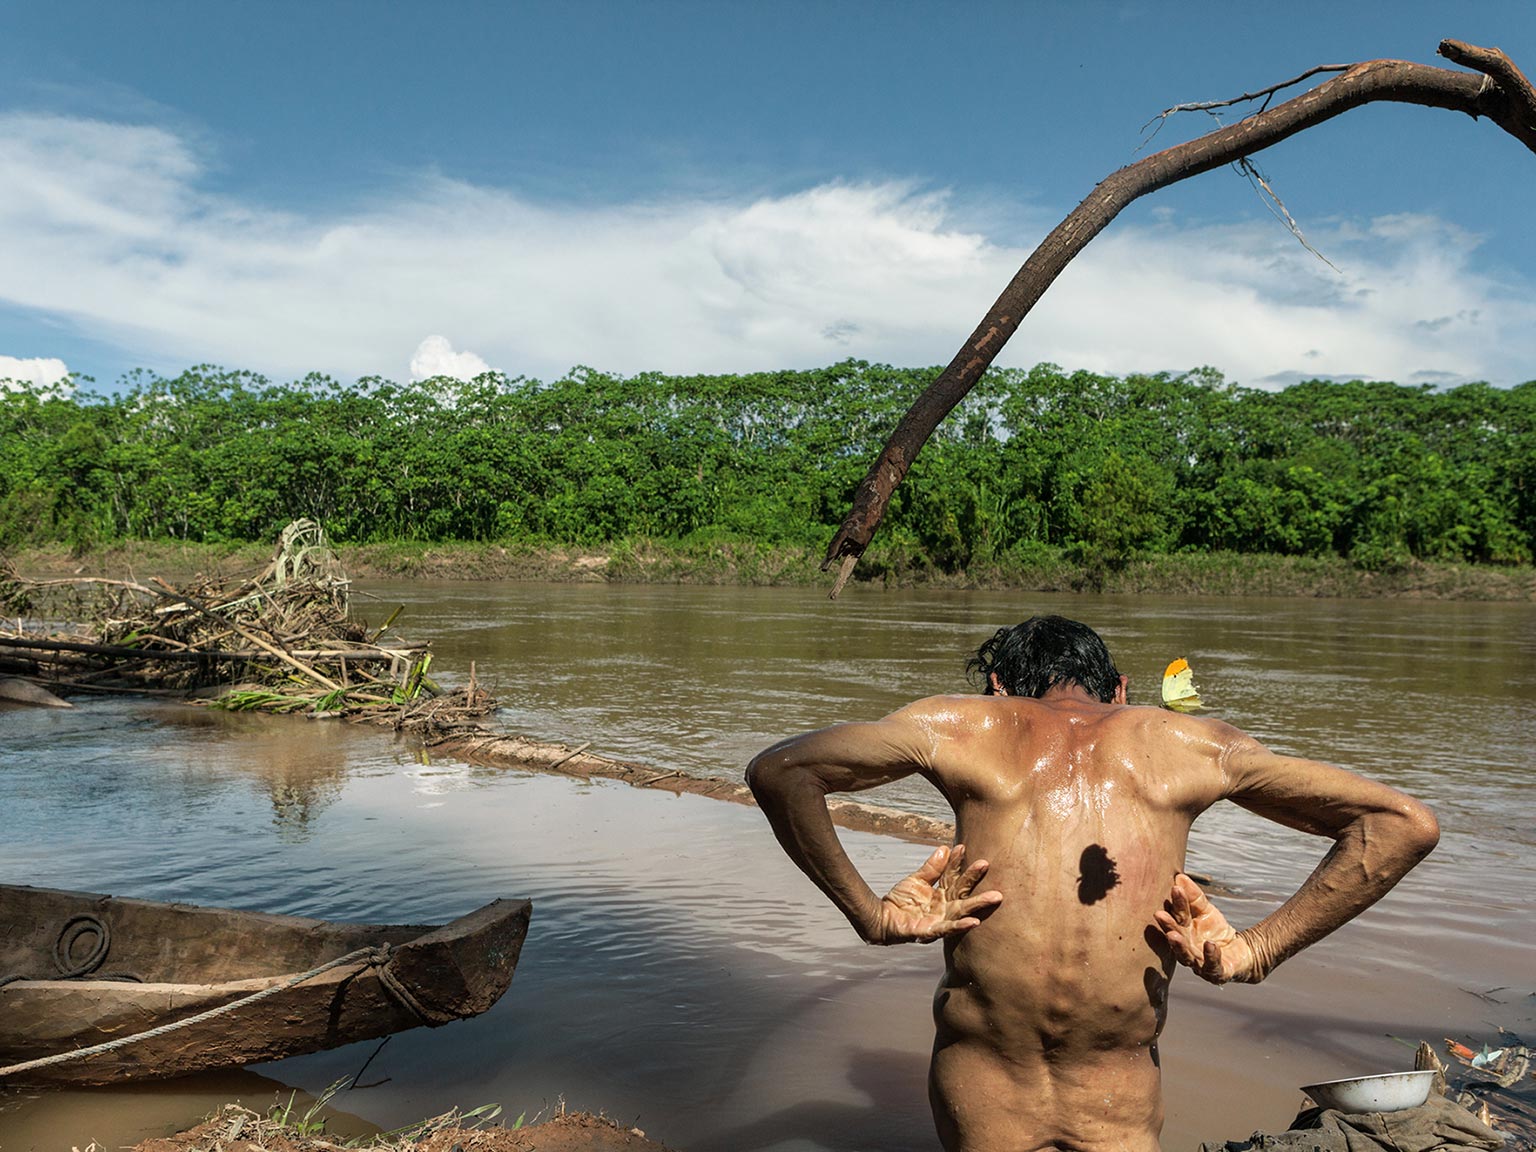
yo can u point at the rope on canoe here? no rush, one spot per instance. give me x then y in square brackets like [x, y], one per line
[429, 1016]
[74, 929]
[64, 947]
[370, 957]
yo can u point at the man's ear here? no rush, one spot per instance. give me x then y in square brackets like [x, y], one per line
[997, 684]
[1120, 689]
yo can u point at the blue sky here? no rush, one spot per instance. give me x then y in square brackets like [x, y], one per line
[400, 189]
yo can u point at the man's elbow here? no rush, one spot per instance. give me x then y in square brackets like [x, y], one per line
[770, 773]
[760, 770]
[1407, 831]
[1422, 829]
[778, 776]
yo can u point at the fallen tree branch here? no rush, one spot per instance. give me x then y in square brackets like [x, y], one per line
[1497, 90]
[192, 654]
[74, 581]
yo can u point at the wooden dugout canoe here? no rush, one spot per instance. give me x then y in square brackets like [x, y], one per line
[190, 959]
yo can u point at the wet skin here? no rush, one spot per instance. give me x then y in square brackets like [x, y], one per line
[1061, 935]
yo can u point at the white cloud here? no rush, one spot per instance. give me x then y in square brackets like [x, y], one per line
[107, 227]
[435, 356]
[38, 370]
[1407, 304]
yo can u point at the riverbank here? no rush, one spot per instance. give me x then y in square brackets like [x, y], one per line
[745, 562]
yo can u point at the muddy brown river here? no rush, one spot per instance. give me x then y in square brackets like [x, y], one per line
[680, 974]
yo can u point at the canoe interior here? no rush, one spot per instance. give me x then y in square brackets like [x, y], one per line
[176, 943]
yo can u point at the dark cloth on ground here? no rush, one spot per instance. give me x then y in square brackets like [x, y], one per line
[1437, 1125]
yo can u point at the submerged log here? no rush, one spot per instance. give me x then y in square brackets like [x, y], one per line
[19, 691]
[504, 751]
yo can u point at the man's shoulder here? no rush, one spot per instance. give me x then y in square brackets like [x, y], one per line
[968, 709]
[946, 707]
[970, 717]
[1183, 726]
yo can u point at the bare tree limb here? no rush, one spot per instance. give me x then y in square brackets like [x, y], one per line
[1499, 69]
[1211, 105]
[1501, 93]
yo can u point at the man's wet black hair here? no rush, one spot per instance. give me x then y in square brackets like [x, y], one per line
[1033, 657]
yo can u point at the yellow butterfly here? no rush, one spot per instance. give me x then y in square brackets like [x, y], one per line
[1179, 687]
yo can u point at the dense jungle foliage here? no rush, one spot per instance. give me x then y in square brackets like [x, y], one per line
[1039, 459]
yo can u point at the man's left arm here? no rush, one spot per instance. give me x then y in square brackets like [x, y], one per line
[1378, 834]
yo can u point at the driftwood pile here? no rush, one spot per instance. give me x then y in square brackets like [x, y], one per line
[281, 641]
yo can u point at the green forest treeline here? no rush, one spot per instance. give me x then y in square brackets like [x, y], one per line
[1033, 460]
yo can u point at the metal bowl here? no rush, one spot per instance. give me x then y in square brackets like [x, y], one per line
[1390, 1092]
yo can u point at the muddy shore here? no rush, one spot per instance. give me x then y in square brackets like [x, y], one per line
[237, 1129]
[747, 563]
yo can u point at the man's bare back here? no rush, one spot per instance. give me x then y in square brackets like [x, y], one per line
[1076, 813]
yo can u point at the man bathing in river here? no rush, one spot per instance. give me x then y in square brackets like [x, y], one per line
[1075, 809]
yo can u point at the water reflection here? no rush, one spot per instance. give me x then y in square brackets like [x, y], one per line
[114, 1117]
[299, 763]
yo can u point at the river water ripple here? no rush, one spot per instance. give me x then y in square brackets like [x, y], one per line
[680, 973]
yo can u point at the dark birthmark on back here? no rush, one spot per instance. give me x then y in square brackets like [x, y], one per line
[1096, 874]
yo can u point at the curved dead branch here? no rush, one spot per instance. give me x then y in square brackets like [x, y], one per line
[1496, 90]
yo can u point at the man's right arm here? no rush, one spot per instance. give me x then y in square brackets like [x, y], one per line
[1378, 834]
[791, 781]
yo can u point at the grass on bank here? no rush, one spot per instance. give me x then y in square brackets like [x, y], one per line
[291, 1127]
[737, 561]
[309, 1124]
